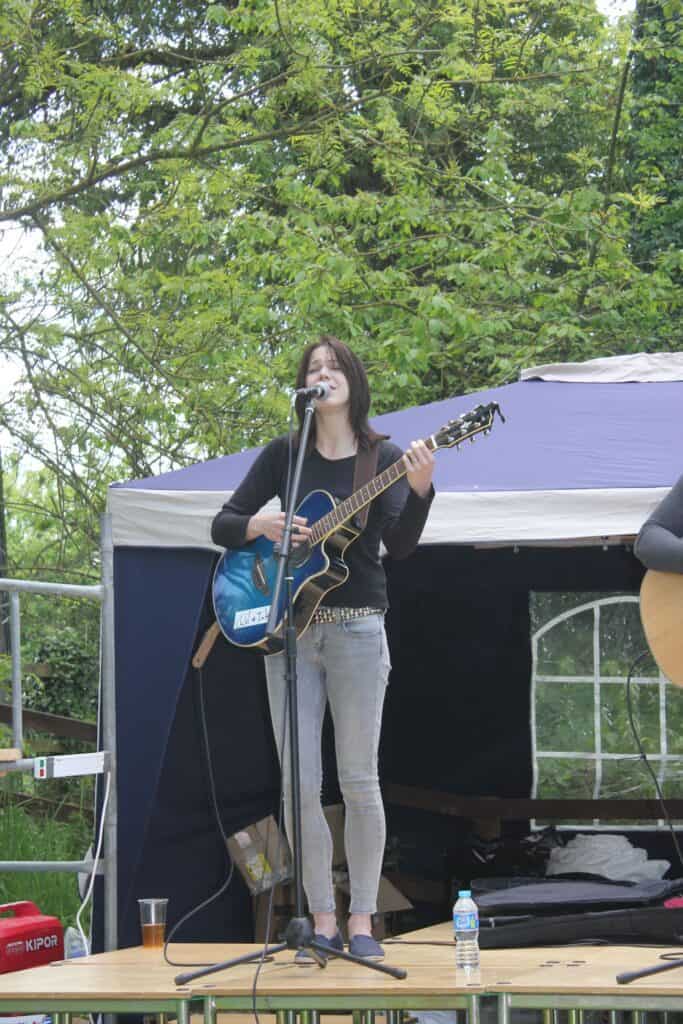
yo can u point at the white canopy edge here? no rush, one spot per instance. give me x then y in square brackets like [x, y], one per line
[648, 367]
[182, 519]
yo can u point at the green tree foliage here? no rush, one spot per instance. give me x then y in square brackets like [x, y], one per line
[656, 142]
[41, 523]
[440, 183]
[62, 635]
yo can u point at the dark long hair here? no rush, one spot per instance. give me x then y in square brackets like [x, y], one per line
[359, 389]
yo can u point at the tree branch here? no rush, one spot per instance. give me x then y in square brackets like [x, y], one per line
[309, 127]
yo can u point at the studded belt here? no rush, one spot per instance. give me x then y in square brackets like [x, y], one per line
[325, 614]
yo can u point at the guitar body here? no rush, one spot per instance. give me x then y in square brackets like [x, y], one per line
[661, 612]
[244, 580]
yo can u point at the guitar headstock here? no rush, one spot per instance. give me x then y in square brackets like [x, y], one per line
[478, 421]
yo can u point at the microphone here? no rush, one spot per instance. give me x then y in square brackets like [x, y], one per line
[321, 390]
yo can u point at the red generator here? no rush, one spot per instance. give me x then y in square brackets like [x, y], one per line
[27, 937]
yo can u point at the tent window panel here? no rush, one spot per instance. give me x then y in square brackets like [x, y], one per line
[584, 646]
[628, 779]
[564, 717]
[563, 650]
[617, 735]
[672, 783]
[674, 720]
[565, 778]
[622, 640]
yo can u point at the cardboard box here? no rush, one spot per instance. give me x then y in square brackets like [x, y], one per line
[389, 899]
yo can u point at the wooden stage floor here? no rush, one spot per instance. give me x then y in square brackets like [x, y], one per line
[138, 980]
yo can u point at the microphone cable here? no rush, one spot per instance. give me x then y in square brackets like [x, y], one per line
[208, 761]
[206, 750]
[643, 755]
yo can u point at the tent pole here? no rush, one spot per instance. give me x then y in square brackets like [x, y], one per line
[109, 735]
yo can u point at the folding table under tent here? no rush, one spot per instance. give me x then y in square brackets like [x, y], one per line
[551, 499]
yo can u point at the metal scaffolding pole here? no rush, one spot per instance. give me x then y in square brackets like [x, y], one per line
[109, 734]
[105, 594]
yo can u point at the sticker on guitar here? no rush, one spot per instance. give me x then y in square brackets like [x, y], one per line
[251, 617]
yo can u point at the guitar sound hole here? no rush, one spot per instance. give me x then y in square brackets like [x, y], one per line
[300, 554]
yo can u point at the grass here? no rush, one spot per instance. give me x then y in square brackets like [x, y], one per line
[25, 835]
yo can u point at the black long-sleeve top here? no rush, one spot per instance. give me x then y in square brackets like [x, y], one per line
[397, 516]
[659, 544]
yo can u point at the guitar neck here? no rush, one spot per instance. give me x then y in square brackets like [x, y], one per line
[348, 508]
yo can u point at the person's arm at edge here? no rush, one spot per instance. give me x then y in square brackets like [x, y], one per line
[659, 544]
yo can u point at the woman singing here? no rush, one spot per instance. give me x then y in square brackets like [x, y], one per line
[342, 658]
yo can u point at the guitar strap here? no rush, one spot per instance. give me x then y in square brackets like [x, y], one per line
[366, 468]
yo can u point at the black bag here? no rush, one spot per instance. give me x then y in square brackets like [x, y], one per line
[547, 912]
[568, 894]
[646, 924]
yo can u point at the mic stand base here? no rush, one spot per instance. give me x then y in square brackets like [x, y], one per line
[298, 935]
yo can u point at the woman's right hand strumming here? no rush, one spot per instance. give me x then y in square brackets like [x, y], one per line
[272, 525]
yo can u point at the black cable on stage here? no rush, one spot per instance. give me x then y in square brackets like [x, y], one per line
[219, 892]
[643, 755]
[206, 750]
[672, 960]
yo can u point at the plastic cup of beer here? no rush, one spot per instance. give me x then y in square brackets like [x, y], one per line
[153, 921]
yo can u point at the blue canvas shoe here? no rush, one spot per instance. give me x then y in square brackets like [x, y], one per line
[334, 945]
[367, 947]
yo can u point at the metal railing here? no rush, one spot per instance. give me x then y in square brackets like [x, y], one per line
[104, 593]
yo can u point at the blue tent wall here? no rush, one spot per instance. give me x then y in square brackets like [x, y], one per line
[164, 815]
[456, 717]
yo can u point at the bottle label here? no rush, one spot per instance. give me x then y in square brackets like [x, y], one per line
[467, 922]
[258, 867]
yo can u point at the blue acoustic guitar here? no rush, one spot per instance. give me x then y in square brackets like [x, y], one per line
[245, 577]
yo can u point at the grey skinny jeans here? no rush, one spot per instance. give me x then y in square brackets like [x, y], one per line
[347, 664]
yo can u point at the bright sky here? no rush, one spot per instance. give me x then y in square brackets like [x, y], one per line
[19, 256]
[615, 8]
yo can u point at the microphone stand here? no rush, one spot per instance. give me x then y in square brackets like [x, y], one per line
[299, 931]
[645, 972]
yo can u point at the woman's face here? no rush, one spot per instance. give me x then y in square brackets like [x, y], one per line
[323, 368]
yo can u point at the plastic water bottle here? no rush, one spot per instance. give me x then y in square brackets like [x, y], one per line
[258, 870]
[466, 928]
[73, 943]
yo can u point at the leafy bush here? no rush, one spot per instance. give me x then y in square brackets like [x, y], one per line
[71, 687]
